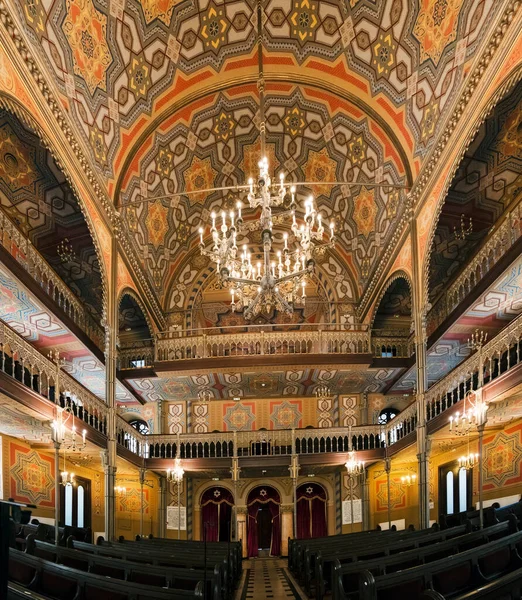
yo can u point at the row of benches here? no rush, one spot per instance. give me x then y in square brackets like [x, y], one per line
[135, 570]
[402, 565]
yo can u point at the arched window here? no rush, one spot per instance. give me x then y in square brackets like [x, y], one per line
[140, 425]
[386, 415]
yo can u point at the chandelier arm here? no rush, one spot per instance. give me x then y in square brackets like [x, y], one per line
[292, 276]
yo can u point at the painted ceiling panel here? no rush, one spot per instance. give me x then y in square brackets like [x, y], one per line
[272, 384]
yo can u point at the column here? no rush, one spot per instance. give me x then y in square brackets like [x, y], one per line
[160, 417]
[364, 410]
[162, 507]
[287, 530]
[142, 482]
[111, 356]
[242, 528]
[420, 309]
[365, 501]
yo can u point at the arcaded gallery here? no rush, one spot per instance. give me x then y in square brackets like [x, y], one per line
[261, 299]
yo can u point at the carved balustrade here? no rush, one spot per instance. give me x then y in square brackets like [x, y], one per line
[33, 262]
[391, 344]
[20, 360]
[499, 355]
[136, 357]
[128, 437]
[170, 346]
[495, 247]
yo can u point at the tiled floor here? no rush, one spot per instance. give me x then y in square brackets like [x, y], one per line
[266, 578]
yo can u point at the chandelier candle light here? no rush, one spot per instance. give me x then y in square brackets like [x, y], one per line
[354, 468]
[408, 480]
[279, 280]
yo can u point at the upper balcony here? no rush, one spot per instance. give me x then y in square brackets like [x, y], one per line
[26, 256]
[325, 342]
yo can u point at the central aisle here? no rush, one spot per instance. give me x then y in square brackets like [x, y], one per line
[265, 578]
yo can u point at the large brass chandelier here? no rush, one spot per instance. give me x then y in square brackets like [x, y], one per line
[278, 280]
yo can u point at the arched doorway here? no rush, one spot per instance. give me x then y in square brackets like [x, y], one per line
[311, 511]
[216, 514]
[264, 521]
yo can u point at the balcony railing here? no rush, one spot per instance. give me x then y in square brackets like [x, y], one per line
[136, 357]
[189, 345]
[22, 362]
[500, 354]
[496, 246]
[389, 346]
[33, 262]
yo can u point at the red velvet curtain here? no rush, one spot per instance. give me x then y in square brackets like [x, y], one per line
[311, 511]
[216, 512]
[257, 497]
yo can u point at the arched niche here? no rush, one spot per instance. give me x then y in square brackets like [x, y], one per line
[312, 511]
[216, 506]
[264, 521]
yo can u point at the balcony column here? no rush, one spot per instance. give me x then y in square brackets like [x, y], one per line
[160, 417]
[188, 408]
[365, 501]
[162, 507]
[111, 357]
[241, 513]
[420, 309]
[364, 410]
[287, 530]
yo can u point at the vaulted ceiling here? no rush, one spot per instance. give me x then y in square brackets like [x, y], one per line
[38, 200]
[488, 181]
[164, 96]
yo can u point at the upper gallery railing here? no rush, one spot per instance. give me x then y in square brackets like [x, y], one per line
[33, 262]
[23, 362]
[320, 338]
[499, 355]
[496, 246]
[137, 356]
[392, 344]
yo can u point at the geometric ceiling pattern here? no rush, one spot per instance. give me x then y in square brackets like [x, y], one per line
[263, 384]
[24, 314]
[495, 309]
[164, 96]
[39, 201]
[488, 180]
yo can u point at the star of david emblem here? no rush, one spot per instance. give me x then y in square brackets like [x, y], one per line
[217, 493]
[309, 490]
[262, 493]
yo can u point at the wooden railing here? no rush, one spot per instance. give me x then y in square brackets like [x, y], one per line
[174, 346]
[390, 346]
[496, 246]
[21, 249]
[138, 356]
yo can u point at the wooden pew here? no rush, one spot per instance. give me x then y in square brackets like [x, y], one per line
[319, 563]
[65, 583]
[179, 578]
[498, 515]
[507, 587]
[456, 574]
[235, 549]
[345, 577]
[164, 558]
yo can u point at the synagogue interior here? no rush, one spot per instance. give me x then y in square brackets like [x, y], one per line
[260, 299]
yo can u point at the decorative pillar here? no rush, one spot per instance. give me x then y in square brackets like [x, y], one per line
[287, 531]
[188, 416]
[241, 512]
[365, 501]
[142, 481]
[56, 492]
[111, 356]
[420, 310]
[160, 417]
[364, 410]
[387, 468]
[235, 472]
[162, 507]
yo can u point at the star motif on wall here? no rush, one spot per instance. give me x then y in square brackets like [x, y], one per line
[263, 493]
[309, 490]
[217, 493]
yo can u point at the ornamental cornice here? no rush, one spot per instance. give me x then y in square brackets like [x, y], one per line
[110, 215]
[473, 80]
[430, 164]
[33, 68]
